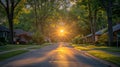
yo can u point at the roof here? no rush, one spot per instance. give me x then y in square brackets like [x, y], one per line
[3, 28]
[29, 33]
[100, 32]
[22, 32]
[116, 27]
[19, 32]
[89, 35]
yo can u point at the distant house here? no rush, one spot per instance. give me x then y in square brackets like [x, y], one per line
[4, 33]
[21, 36]
[88, 38]
[116, 31]
[97, 35]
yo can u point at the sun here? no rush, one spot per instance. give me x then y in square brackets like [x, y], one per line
[61, 30]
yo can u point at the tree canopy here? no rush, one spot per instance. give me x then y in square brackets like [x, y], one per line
[45, 17]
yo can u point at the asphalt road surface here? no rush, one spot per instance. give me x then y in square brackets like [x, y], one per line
[56, 55]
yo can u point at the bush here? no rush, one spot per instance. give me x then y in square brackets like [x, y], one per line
[114, 43]
[38, 38]
[102, 39]
[2, 41]
[1, 44]
[77, 40]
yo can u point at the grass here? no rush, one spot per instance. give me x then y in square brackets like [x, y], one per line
[105, 56]
[81, 47]
[109, 49]
[10, 47]
[36, 47]
[40, 46]
[11, 54]
[101, 52]
[93, 47]
[17, 52]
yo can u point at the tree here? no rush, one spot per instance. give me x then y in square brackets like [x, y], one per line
[42, 10]
[108, 8]
[80, 14]
[90, 16]
[94, 7]
[9, 6]
[2, 16]
[46, 14]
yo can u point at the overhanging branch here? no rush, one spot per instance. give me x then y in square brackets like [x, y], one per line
[2, 4]
[17, 3]
[103, 3]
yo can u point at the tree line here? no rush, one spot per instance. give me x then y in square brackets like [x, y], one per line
[43, 16]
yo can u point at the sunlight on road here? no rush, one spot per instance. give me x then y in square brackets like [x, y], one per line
[62, 58]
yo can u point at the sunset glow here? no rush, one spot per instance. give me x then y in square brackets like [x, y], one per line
[62, 31]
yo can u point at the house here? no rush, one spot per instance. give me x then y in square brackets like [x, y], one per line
[97, 35]
[4, 33]
[116, 31]
[88, 38]
[22, 37]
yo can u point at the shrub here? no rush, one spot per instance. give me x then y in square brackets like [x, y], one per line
[38, 38]
[77, 40]
[102, 39]
[114, 43]
[2, 41]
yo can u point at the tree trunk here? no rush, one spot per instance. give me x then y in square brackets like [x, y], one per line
[9, 6]
[94, 25]
[108, 9]
[11, 29]
[91, 22]
[36, 17]
[10, 19]
[109, 16]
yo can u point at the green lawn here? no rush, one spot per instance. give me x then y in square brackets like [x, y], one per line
[101, 52]
[93, 47]
[11, 54]
[10, 47]
[40, 46]
[109, 49]
[14, 53]
[105, 56]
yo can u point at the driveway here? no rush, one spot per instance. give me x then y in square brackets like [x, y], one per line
[56, 55]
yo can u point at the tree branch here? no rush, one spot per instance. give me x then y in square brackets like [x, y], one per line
[103, 3]
[7, 6]
[2, 4]
[17, 3]
[12, 4]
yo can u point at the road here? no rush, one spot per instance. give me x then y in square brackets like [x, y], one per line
[57, 55]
